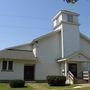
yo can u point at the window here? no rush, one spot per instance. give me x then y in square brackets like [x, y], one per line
[70, 18]
[7, 65]
[10, 65]
[4, 65]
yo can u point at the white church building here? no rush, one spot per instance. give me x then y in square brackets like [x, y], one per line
[64, 51]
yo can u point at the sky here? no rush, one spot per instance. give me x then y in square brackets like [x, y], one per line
[21, 21]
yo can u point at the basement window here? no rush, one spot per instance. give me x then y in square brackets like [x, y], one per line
[7, 65]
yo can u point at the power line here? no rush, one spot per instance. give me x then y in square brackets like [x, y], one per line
[23, 27]
[20, 16]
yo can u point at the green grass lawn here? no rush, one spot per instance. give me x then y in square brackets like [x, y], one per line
[40, 86]
[5, 86]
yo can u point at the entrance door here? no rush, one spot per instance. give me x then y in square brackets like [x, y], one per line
[28, 73]
[73, 68]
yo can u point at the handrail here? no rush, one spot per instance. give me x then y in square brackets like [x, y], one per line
[70, 75]
[86, 75]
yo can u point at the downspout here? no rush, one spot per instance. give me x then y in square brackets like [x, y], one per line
[62, 43]
[62, 47]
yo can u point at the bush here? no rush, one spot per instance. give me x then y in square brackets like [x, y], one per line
[56, 80]
[17, 83]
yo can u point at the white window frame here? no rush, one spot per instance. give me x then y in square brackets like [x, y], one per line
[7, 68]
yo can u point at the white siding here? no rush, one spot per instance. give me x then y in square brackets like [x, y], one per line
[64, 17]
[49, 50]
[54, 23]
[17, 73]
[70, 33]
[62, 66]
[85, 46]
[58, 28]
[60, 18]
[71, 39]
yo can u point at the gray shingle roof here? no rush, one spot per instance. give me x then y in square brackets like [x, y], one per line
[17, 54]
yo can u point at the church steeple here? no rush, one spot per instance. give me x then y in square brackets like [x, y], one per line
[65, 16]
[67, 22]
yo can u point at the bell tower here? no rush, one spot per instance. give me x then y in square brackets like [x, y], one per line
[68, 24]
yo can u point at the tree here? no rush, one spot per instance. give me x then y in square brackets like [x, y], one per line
[71, 1]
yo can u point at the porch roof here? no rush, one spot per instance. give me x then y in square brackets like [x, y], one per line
[76, 57]
[15, 54]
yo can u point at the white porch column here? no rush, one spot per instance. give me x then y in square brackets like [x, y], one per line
[66, 68]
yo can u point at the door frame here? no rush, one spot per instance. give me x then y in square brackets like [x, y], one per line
[75, 68]
[33, 72]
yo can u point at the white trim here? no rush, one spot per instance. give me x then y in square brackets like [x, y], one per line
[61, 60]
[85, 37]
[66, 12]
[44, 36]
[7, 67]
[69, 58]
[62, 43]
[66, 68]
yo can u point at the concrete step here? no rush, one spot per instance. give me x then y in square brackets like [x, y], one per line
[80, 81]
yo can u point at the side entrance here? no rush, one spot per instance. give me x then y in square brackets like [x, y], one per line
[29, 73]
[73, 68]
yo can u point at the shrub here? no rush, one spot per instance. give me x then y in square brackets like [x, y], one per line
[17, 83]
[56, 80]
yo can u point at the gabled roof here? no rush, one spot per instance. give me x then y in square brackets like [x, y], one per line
[72, 55]
[44, 36]
[47, 35]
[17, 46]
[84, 37]
[53, 32]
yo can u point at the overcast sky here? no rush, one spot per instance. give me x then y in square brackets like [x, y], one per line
[23, 20]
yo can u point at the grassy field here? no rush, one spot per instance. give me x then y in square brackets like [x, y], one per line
[40, 86]
[4, 86]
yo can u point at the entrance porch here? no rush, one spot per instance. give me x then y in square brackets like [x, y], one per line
[73, 68]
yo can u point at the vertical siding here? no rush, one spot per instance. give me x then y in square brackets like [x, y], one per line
[48, 51]
[71, 39]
